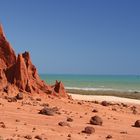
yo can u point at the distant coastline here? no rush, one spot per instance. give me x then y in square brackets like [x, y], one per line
[131, 95]
[97, 83]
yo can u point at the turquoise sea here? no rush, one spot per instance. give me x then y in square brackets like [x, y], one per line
[96, 82]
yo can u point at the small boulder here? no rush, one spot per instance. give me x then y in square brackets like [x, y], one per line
[38, 99]
[38, 137]
[69, 135]
[89, 130]
[79, 103]
[11, 99]
[109, 137]
[19, 96]
[48, 111]
[137, 123]
[104, 103]
[69, 119]
[29, 137]
[95, 110]
[64, 124]
[2, 125]
[96, 120]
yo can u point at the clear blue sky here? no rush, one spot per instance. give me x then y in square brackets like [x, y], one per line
[76, 36]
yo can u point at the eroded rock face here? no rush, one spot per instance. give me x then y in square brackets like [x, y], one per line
[7, 54]
[59, 89]
[20, 72]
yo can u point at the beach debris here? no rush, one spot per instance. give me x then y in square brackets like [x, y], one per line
[48, 111]
[109, 137]
[105, 103]
[11, 99]
[17, 120]
[124, 105]
[34, 129]
[44, 104]
[63, 123]
[28, 137]
[89, 130]
[6, 89]
[123, 132]
[96, 102]
[2, 125]
[19, 96]
[79, 103]
[69, 136]
[134, 109]
[114, 109]
[38, 137]
[137, 123]
[69, 119]
[95, 110]
[96, 120]
[38, 99]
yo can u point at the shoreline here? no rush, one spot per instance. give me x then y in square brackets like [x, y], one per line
[101, 98]
[123, 94]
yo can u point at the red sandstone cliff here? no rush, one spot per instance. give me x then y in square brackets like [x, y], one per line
[21, 73]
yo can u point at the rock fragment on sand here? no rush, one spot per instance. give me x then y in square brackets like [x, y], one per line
[63, 123]
[29, 137]
[109, 137]
[89, 130]
[48, 111]
[79, 103]
[19, 96]
[137, 123]
[105, 103]
[11, 99]
[38, 99]
[38, 137]
[123, 132]
[95, 110]
[69, 135]
[124, 105]
[69, 119]
[96, 120]
[2, 125]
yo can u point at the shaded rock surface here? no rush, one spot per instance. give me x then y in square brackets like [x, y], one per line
[48, 111]
[96, 120]
[137, 123]
[63, 123]
[21, 73]
[105, 103]
[19, 96]
[89, 130]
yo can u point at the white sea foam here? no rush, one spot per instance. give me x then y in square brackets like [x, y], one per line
[100, 89]
[90, 89]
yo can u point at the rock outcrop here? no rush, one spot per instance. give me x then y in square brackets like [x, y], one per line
[21, 73]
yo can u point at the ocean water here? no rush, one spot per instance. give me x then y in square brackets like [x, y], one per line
[96, 82]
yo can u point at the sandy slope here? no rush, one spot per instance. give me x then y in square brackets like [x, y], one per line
[21, 118]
